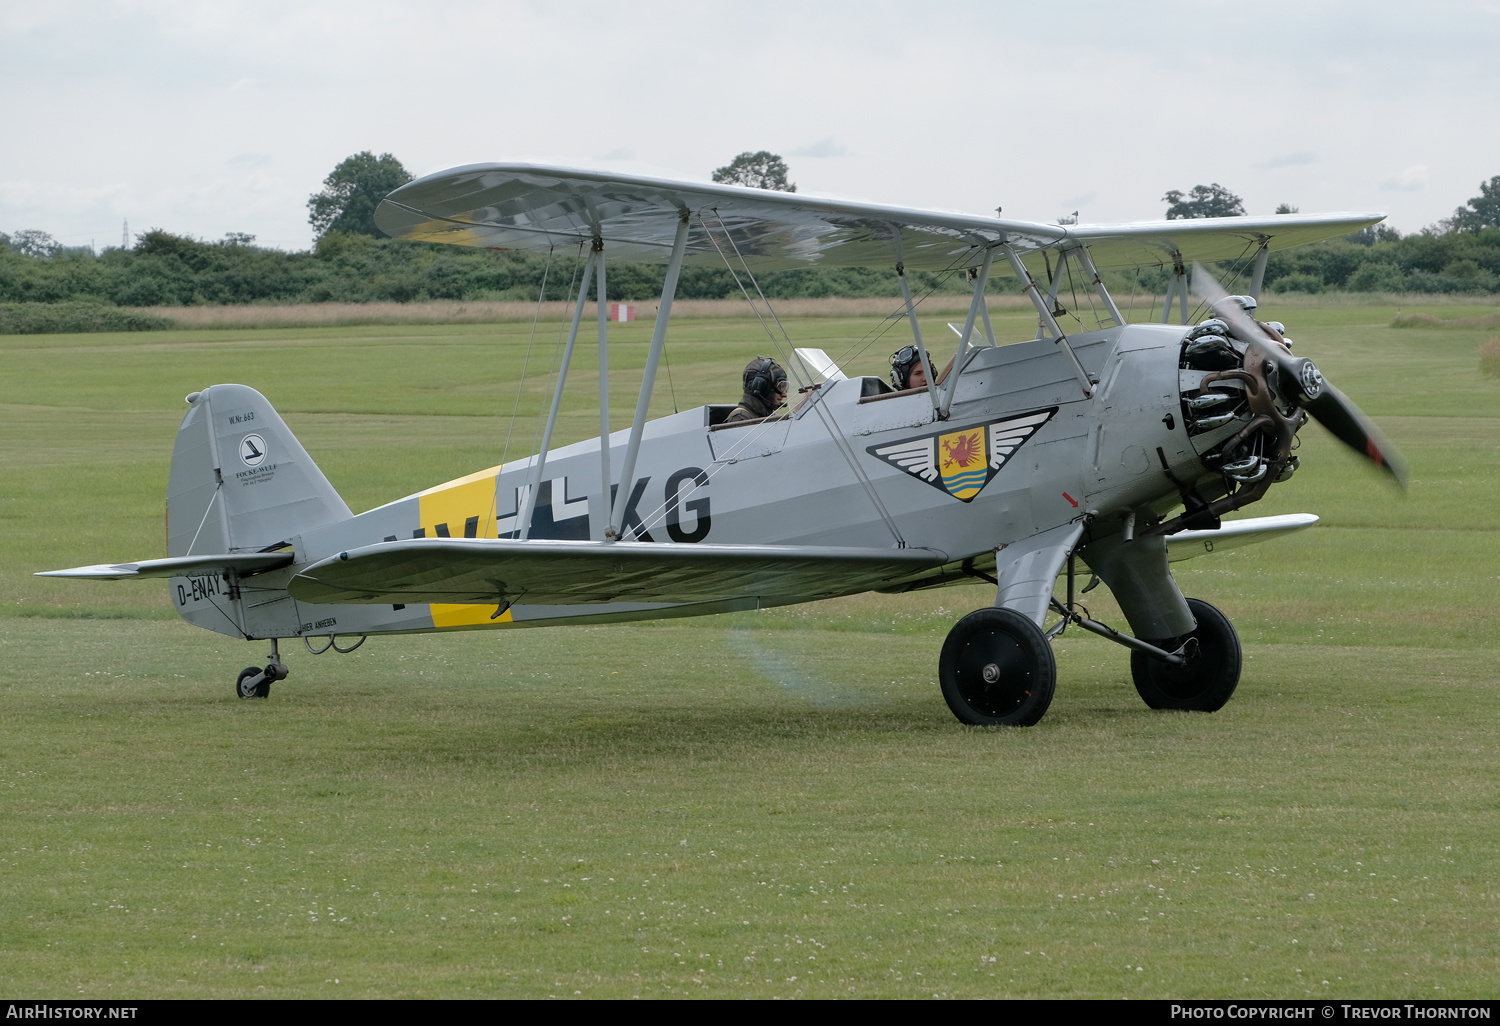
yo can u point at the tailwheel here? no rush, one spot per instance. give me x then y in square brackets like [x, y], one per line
[253, 682]
[1210, 670]
[997, 669]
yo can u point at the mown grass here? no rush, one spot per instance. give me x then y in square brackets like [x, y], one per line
[454, 311]
[1489, 357]
[770, 804]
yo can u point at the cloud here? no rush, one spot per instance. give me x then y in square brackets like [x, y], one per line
[250, 160]
[29, 195]
[621, 153]
[1290, 160]
[825, 147]
[1413, 179]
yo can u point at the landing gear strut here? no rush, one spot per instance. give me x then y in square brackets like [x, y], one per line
[1208, 673]
[255, 681]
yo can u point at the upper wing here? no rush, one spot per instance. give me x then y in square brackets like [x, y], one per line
[1210, 238]
[563, 573]
[536, 208]
[1233, 534]
[530, 207]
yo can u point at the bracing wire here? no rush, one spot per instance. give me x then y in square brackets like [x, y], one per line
[526, 361]
[743, 291]
[1073, 289]
[1236, 270]
[668, 361]
[875, 334]
[749, 436]
[1067, 265]
[217, 488]
[835, 433]
[536, 430]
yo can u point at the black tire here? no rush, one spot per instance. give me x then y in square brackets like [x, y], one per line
[1205, 682]
[997, 669]
[261, 690]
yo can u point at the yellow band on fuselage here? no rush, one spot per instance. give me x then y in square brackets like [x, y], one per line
[464, 508]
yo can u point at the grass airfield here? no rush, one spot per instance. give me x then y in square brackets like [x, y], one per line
[775, 804]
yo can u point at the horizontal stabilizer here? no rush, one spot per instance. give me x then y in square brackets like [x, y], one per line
[1233, 534]
[243, 563]
[452, 570]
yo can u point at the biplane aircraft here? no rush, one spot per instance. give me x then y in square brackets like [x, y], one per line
[1120, 447]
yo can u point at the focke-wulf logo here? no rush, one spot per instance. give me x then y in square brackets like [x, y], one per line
[252, 450]
[962, 462]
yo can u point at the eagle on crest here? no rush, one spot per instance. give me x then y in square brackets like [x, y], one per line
[955, 461]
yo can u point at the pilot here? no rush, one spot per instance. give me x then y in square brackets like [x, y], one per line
[908, 370]
[765, 391]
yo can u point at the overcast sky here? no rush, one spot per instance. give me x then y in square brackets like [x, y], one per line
[209, 117]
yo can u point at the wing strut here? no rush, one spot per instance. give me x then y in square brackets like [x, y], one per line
[1045, 312]
[835, 433]
[1087, 263]
[916, 334]
[599, 294]
[989, 329]
[648, 380]
[1057, 277]
[529, 505]
[1258, 276]
[1178, 283]
[975, 305]
[1080, 253]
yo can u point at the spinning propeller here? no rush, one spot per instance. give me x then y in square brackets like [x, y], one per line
[1299, 381]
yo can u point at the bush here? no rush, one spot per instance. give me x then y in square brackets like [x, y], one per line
[171, 270]
[1468, 276]
[1298, 283]
[49, 318]
[1377, 276]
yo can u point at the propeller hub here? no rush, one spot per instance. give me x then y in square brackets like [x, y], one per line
[1309, 379]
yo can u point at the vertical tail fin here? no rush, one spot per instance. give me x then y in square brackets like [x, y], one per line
[240, 480]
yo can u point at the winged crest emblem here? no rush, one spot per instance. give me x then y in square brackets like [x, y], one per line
[962, 461]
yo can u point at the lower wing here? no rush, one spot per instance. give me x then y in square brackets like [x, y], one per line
[450, 570]
[1234, 533]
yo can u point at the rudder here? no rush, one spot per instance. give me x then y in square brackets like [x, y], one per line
[240, 480]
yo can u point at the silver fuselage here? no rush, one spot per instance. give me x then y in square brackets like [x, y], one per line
[790, 481]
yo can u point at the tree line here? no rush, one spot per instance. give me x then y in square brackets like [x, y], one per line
[163, 269]
[1458, 254]
[350, 263]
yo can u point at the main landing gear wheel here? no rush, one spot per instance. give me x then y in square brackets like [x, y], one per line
[1209, 675]
[997, 669]
[246, 685]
